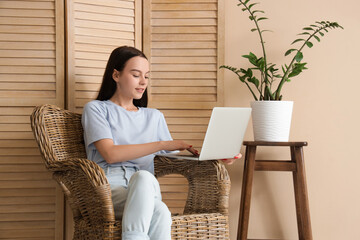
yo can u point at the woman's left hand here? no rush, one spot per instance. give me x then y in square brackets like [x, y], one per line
[231, 160]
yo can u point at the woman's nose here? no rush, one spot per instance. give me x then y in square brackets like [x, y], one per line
[143, 80]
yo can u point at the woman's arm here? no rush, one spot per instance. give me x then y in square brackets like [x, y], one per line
[121, 153]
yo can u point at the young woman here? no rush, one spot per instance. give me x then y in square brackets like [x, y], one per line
[122, 136]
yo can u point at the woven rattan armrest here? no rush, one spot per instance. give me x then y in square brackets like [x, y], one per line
[87, 190]
[90, 169]
[209, 183]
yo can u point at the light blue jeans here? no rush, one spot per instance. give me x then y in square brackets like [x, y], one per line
[137, 201]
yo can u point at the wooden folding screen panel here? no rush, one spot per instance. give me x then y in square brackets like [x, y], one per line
[184, 42]
[31, 74]
[95, 28]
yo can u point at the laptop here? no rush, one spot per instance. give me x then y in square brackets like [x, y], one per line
[224, 135]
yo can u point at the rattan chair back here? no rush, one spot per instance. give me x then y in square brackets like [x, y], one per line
[59, 133]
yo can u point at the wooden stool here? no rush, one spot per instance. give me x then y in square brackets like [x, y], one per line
[295, 165]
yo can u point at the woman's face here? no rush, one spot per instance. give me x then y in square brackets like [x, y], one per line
[133, 79]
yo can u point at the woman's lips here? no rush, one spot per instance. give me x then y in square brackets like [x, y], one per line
[140, 90]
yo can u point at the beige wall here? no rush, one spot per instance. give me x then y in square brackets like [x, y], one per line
[326, 114]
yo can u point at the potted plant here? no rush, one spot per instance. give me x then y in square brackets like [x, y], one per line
[266, 86]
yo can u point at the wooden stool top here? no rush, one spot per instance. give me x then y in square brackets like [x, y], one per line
[263, 143]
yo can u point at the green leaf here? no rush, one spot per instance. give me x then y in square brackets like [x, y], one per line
[271, 65]
[309, 44]
[317, 38]
[290, 51]
[266, 31]
[252, 58]
[243, 71]
[248, 56]
[253, 4]
[338, 25]
[299, 56]
[304, 33]
[254, 80]
[249, 72]
[308, 28]
[256, 11]
[302, 65]
[233, 69]
[254, 29]
[321, 33]
[297, 40]
[293, 73]
[297, 69]
[251, 18]
[262, 18]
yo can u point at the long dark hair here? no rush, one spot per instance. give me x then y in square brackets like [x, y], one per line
[117, 60]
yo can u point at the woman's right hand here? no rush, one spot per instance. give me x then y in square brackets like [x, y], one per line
[178, 145]
[175, 145]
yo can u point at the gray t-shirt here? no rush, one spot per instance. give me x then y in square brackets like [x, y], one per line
[105, 119]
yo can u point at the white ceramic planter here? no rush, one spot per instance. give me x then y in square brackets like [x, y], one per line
[271, 120]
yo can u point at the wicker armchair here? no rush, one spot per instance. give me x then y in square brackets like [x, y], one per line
[59, 135]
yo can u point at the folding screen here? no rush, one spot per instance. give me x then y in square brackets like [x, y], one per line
[31, 73]
[184, 42]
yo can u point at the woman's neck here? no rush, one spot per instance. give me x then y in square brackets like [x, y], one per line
[127, 104]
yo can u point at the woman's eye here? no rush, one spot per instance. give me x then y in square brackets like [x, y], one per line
[136, 76]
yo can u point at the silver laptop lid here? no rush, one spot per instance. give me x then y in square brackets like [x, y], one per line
[225, 133]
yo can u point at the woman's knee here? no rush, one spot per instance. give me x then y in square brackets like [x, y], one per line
[145, 181]
[144, 178]
[143, 175]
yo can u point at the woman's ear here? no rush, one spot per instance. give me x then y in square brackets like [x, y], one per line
[116, 75]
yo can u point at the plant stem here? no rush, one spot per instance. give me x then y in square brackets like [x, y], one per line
[263, 75]
[252, 92]
[287, 72]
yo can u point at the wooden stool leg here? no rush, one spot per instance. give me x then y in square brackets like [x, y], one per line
[301, 197]
[248, 174]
